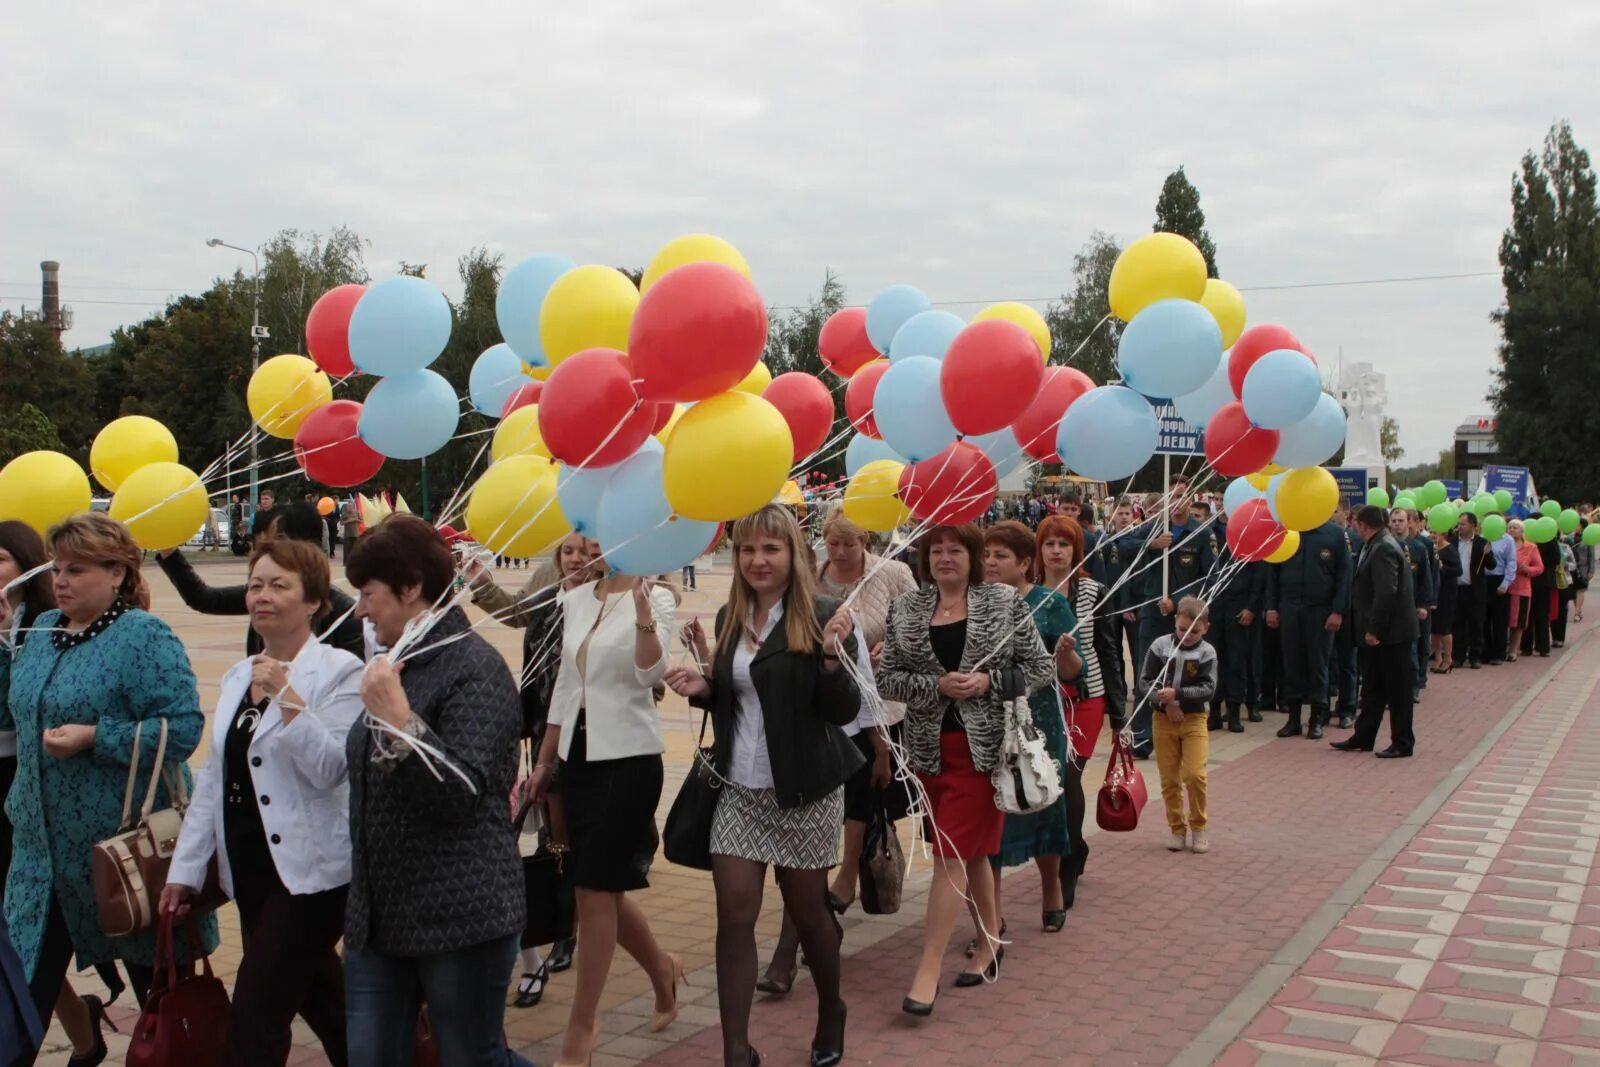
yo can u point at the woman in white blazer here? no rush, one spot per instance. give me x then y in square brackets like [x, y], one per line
[272, 806]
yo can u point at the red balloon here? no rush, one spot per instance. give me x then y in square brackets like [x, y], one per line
[696, 333]
[1035, 428]
[991, 373]
[1254, 343]
[328, 329]
[956, 486]
[858, 397]
[527, 393]
[590, 415]
[806, 405]
[329, 450]
[663, 416]
[843, 342]
[1234, 446]
[1253, 533]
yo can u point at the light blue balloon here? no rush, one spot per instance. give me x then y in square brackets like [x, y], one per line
[1170, 349]
[408, 416]
[927, 333]
[1108, 433]
[1239, 490]
[889, 311]
[1002, 449]
[1196, 408]
[579, 493]
[517, 304]
[496, 374]
[1315, 439]
[909, 409]
[1280, 389]
[1272, 492]
[400, 325]
[863, 450]
[636, 528]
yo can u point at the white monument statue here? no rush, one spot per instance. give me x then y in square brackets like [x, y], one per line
[1361, 390]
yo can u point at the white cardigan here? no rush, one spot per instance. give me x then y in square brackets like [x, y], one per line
[300, 768]
[621, 719]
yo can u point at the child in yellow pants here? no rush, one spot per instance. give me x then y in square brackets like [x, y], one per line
[1179, 678]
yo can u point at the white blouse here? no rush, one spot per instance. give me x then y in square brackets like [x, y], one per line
[620, 717]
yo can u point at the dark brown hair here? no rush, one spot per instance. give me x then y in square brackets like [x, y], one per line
[95, 537]
[1015, 538]
[26, 548]
[967, 536]
[1069, 531]
[302, 558]
[403, 551]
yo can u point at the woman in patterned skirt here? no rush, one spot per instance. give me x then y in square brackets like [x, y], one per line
[779, 697]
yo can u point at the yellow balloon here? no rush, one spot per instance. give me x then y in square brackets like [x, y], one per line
[672, 423]
[756, 382]
[1023, 316]
[1261, 477]
[587, 307]
[41, 489]
[727, 457]
[692, 248]
[1286, 550]
[125, 445]
[162, 504]
[1307, 498]
[1227, 307]
[283, 391]
[792, 494]
[518, 435]
[872, 500]
[1158, 266]
[513, 510]
[538, 374]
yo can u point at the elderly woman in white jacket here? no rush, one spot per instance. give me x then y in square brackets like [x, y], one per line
[271, 806]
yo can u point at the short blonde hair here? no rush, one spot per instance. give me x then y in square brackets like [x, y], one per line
[1193, 608]
[843, 526]
[95, 537]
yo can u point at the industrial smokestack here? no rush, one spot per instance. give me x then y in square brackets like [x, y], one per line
[50, 309]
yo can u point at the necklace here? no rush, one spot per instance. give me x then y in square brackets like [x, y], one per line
[946, 611]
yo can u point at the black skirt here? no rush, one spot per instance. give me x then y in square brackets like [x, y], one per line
[1444, 613]
[611, 816]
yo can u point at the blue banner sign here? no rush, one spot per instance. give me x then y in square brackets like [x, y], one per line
[1352, 484]
[1174, 436]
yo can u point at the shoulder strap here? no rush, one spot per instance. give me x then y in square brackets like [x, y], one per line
[133, 776]
[156, 769]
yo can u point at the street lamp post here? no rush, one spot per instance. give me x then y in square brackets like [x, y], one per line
[258, 333]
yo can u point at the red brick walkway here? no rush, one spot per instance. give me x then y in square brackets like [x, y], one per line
[1160, 944]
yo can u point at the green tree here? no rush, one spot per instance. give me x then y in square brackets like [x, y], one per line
[296, 269]
[792, 346]
[1545, 394]
[1389, 441]
[37, 372]
[1080, 312]
[26, 429]
[1178, 211]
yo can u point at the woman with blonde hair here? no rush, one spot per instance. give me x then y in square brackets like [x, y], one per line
[779, 698]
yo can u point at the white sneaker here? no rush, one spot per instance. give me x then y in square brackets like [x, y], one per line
[1178, 843]
[1202, 843]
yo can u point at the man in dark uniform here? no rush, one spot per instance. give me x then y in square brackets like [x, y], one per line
[1385, 615]
[1118, 548]
[1306, 601]
[1343, 669]
[1236, 607]
[1424, 561]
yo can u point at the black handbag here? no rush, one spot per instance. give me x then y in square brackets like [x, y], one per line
[883, 867]
[686, 839]
[547, 885]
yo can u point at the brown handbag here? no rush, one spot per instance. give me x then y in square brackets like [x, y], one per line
[130, 867]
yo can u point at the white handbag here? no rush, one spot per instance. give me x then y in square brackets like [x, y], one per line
[1028, 778]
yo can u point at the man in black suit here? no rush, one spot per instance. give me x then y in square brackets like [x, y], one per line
[1472, 595]
[1386, 625]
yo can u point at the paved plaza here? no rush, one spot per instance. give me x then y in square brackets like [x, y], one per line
[1438, 910]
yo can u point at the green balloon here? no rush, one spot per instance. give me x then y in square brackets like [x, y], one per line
[1377, 497]
[1550, 509]
[1441, 518]
[1405, 501]
[1568, 520]
[1540, 530]
[1502, 499]
[1483, 505]
[1591, 534]
[1433, 493]
[1494, 527]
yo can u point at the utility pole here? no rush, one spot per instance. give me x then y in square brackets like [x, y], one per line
[258, 333]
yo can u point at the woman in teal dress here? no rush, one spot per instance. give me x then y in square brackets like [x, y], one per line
[1008, 555]
[86, 679]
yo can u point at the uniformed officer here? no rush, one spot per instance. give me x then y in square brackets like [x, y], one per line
[1307, 599]
[1187, 550]
[1117, 550]
[1344, 673]
[1425, 562]
[1236, 633]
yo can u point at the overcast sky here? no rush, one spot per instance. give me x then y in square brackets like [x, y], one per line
[966, 148]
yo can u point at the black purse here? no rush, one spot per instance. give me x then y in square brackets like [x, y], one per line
[686, 838]
[547, 885]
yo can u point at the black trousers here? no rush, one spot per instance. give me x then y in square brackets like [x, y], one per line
[1271, 680]
[1240, 653]
[1125, 636]
[1467, 638]
[1307, 648]
[1536, 636]
[1496, 627]
[55, 956]
[1386, 682]
[1558, 626]
[290, 967]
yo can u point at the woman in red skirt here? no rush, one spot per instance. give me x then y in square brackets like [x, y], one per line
[953, 652]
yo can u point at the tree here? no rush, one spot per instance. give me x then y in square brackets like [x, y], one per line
[27, 429]
[792, 346]
[1082, 313]
[37, 372]
[1545, 394]
[297, 268]
[1178, 211]
[1389, 441]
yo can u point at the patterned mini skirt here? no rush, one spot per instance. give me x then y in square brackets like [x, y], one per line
[750, 825]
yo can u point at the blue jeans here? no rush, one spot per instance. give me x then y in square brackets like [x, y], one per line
[465, 991]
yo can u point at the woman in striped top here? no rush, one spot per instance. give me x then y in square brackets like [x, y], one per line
[1062, 567]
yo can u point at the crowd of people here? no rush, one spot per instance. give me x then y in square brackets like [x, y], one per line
[369, 756]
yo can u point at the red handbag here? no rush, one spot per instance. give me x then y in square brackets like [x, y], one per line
[185, 1018]
[1123, 795]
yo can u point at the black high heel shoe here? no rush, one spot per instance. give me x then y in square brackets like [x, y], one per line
[531, 989]
[991, 973]
[97, 1020]
[830, 1057]
[921, 1009]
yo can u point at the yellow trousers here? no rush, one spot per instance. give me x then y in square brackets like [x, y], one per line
[1181, 752]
